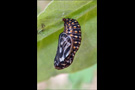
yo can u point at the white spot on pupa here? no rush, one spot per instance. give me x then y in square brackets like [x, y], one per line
[62, 59]
[62, 42]
[57, 64]
[67, 54]
[60, 49]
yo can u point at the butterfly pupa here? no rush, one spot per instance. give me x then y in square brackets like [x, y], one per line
[68, 43]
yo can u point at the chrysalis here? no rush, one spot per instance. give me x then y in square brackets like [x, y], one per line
[68, 44]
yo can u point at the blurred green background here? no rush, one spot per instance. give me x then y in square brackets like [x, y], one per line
[82, 74]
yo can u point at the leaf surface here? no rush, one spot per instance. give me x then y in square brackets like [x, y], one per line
[85, 12]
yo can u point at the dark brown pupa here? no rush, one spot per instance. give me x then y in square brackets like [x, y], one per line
[69, 43]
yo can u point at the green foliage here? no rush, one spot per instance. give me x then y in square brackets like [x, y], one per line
[85, 12]
[81, 77]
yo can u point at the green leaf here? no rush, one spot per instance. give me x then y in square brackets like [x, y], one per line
[85, 12]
